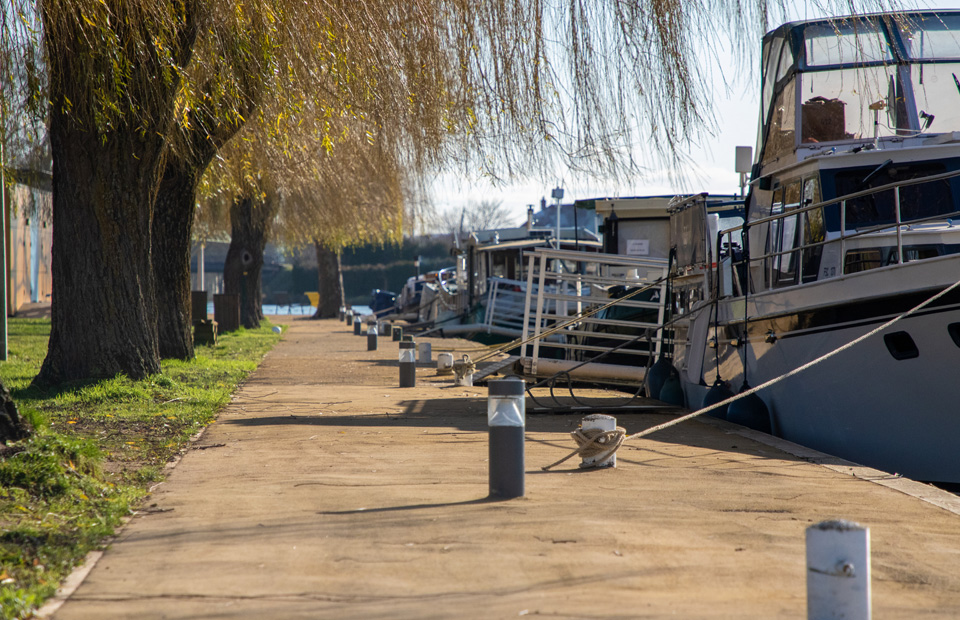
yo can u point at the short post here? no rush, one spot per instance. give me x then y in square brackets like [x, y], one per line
[348, 317]
[408, 364]
[445, 364]
[372, 337]
[341, 312]
[506, 418]
[357, 324]
[424, 353]
[396, 333]
[838, 571]
[601, 423]
[385, 328]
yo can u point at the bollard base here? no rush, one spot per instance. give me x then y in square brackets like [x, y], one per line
[371, 342]
[408, 374]
[506, 461]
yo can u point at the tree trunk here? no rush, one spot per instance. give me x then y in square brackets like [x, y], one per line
[330, 283]
[12, 426]
[103, 312]
[249, 226]
[107, 156]
[172, 229]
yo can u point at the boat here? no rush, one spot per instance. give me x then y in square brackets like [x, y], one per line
[850, 223]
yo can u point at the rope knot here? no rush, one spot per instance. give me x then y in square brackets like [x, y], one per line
[594, 444]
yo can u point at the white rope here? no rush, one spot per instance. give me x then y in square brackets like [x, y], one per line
[775, 380]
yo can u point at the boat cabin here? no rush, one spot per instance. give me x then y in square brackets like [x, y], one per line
[854, 111]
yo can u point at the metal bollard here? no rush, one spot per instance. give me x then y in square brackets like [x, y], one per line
[408, 364]
[838, 571]
[384, 328]
[341, 312]
[372, 337]
[424, 353]
[445, 364]
[599, 422]
[357, 325]
[506, 417]
[348, 317]
[396, 333]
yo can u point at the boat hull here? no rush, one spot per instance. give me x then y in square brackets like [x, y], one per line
[891, 401]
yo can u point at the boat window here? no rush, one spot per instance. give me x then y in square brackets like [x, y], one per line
[836, 104]
[855, 41]
[781, 135]
[814, 230]
[771, 53]
[916, 201]
[861, 260]
[937, 95]
[786, 271]
[773, 237]
[931, 37]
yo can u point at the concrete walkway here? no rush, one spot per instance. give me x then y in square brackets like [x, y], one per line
[324, 491]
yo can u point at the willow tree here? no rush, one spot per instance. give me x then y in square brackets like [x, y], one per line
[497, 87]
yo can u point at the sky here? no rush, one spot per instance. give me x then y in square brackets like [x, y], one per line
[735, 112]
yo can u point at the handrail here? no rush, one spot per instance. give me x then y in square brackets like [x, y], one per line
[844, 236]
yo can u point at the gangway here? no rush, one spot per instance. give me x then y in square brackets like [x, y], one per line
[565, 286]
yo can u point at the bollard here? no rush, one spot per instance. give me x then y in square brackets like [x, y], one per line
[372, 337]
[506, 418]
[348, 317]
[445, 364]
[463, 369]
[384, 328]
[601, 423]
[408, 365]
[396, 333]
[424, 353]
[341, 312]
[357, 324]
[838, 571]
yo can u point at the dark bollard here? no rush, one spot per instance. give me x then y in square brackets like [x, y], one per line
[396, 333]
[372, 337]
[341, 312]
[348, 317]
[357, 325]
[408, 364]
[506, 418]
[385, 328]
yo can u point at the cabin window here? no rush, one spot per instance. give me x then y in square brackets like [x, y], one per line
[858, 41]
[862, 260]
[782, 132]
[814, 230]
[916, 201]
[786, 262]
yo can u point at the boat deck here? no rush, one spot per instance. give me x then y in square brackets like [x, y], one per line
[323, 490]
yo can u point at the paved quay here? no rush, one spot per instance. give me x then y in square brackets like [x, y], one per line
[325, 491]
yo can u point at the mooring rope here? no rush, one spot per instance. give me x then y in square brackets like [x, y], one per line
[594, 443]
[775, 380]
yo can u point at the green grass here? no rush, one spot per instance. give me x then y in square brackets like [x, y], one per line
[97, 448]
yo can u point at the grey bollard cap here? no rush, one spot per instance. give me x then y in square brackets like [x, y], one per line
[506, 387]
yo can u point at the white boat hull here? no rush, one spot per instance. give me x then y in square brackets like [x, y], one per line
[864, 405]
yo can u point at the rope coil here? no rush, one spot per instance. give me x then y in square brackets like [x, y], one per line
[594, 444]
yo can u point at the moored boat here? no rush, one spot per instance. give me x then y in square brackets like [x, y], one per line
[854, 190]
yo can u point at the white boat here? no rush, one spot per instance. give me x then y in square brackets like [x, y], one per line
[849, 224]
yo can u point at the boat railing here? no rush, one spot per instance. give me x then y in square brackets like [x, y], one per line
[504, 306]
[565, 285]
[803, 247]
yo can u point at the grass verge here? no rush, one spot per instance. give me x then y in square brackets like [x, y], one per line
[97, 449]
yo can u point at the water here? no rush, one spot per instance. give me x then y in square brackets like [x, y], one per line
[294, 309]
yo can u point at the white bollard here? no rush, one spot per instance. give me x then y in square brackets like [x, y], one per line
[599, 422]
[424, 353]
[838, 571]
[445, 364]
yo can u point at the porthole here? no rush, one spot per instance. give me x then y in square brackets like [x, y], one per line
[901, 346]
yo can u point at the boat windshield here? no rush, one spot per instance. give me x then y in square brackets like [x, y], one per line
[860, 79]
